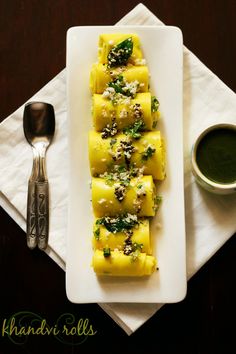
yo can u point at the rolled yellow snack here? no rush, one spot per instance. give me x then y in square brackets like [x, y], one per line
[108, 40]
[118, 264]
[138, 197]
[100, 76]
[105, 153]
[104, 238]
[124, 113]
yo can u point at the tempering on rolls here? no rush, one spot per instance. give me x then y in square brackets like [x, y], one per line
[126, 156]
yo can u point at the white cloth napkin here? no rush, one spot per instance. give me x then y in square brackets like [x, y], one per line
[210, 219]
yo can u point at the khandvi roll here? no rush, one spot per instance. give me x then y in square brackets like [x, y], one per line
[118, 49]
[118, 194]
[101, 77]
[116, 263]
[146, 153]
[125, 156]
[111, 115]
[122, 233]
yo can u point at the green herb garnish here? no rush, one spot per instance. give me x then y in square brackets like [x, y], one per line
[134, 129]
[136, 250]
[109, 179]
[154, 124]
[137, 246]
[121, 175]
[97, 233]
[157, 202]
[124, 88]
[120, 54]
[117, 84]
[118, 224]
[133, 170]
[154, 104]
[148, 153]
[106, 252]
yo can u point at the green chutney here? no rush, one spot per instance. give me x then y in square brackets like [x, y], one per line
[216, 155]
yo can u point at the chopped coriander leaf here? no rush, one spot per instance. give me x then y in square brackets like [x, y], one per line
[125, 181]
[154, 104]
[106, 252]
[121, 168]
[120, 54]
[135, 255]
[119, 224]
[134, 129]
[148, 153]
[132, 249]
[121, 86]
[97, 233]
[157, 202]
[109, 178]
[135, 171]
[121, 175]
[154, 124]
[137, 246]
[117, 84]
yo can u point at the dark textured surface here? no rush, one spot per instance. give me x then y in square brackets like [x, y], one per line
[32, 51]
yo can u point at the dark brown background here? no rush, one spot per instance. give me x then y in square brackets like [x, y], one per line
[32, 46]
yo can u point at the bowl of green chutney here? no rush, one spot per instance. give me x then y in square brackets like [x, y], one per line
[213, 158]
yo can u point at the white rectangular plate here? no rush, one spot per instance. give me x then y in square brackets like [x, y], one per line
[162, 48]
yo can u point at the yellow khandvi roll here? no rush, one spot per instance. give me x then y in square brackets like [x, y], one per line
[100, 76]
[147, 152]
[115, 240]
[123, 113]
[118, 264]
[108, 41]
[136, 196]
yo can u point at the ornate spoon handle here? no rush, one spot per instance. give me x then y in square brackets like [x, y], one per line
[42, 204]
[31, 223]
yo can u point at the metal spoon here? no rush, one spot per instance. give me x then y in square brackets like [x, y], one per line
[39, 127]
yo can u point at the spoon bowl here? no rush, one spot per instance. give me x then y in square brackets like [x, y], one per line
[39, 122]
